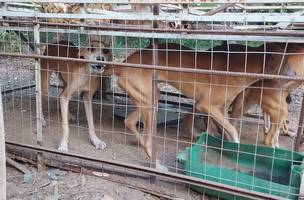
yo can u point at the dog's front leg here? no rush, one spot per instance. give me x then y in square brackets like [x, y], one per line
[87, 97]
[64, 106]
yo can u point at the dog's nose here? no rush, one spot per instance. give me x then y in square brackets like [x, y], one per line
[102, 59]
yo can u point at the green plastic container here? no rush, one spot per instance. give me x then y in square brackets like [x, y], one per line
[258, 168]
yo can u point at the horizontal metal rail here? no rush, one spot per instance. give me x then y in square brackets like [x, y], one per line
[192, 36]
[219, 17]
[290, 33]
[179, 177]
[165, 68]
[156, 1]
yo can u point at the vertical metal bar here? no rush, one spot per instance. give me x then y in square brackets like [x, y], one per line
[300, 128]
[40, 164]
[2, 153]
[301, 192]
[154, 89]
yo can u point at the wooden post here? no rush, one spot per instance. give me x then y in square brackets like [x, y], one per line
[40, 164]
[2, 153]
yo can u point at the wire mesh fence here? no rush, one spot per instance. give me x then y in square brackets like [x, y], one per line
[204, 98]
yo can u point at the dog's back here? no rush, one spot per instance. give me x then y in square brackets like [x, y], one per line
[61, 49]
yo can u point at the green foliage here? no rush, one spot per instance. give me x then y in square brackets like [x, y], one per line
[136, 43]
[252, 43]
[9, 41]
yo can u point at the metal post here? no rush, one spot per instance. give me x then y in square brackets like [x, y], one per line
[154, 89]
[40, 164]
[2, 153]
[300, 128]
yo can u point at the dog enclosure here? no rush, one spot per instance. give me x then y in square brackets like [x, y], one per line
[211, 165]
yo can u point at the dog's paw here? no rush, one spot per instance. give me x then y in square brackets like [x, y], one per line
[63, 147]
[291, 134]
[99, 144]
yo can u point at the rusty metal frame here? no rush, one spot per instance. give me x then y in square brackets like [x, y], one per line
[166, 68]
[151, 171]
[154, 67]
[158, 1]
[290, 33]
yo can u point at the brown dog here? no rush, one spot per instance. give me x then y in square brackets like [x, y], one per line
[212, 94]
[76, 77]
[271, 95]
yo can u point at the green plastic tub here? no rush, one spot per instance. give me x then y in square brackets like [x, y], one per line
[257, 168]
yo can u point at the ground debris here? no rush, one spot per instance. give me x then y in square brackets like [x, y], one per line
[55, 184]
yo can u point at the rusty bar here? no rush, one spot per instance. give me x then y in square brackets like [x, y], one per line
[165, 30]
[2, 153]
[175, 69]
[179, 177]
[300, 127]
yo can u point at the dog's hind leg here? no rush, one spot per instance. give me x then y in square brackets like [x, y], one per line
[131, 120]
[87, 97]
[218, 116]
[146, 139]
[278, 114]
[286, 130]
[266, 123]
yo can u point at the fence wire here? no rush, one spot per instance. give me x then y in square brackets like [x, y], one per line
[198, 105]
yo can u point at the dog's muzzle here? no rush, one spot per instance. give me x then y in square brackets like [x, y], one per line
[97, 68]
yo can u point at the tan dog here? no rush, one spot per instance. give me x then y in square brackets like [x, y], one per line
[212, 94]
[76, 77]
[272, 96]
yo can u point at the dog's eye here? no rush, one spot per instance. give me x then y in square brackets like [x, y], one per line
[92, 49]
[105, 51]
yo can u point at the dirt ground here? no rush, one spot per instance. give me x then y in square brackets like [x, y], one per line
[122, 146]
[57, 184]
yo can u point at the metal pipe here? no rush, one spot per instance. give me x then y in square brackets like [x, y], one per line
[2, 153]
[38, 95]
[300, 127]
[163, 30]
[178, 177]
[158, 1]
[154, 93]
[165, 68]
